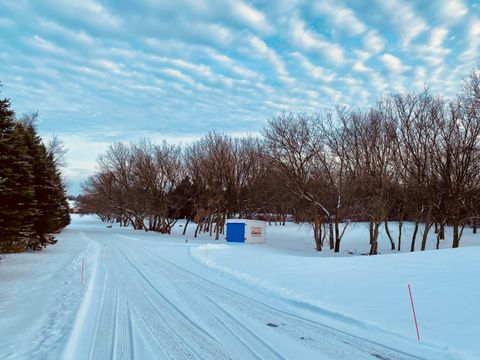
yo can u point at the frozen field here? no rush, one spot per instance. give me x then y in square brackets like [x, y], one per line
[151, 296]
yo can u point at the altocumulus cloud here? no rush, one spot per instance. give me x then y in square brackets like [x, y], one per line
[100, 71]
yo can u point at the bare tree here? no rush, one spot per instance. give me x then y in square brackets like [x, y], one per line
[292, 147]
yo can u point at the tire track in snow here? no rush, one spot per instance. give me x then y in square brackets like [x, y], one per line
[338, 344]
[98, 350]
[183, 329]
[74, 345]
[152, 318]
[163, 329]
[235, 329]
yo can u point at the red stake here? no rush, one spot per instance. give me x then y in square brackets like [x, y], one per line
[413, 309]
[81, 275]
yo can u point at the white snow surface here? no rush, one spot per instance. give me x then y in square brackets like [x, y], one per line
[151, 296]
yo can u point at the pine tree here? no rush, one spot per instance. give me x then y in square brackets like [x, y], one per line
[17, 201]
[33, 203]
[52, 213]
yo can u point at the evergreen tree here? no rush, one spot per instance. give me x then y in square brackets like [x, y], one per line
[52, 213]
[33, 203]
[17, 200]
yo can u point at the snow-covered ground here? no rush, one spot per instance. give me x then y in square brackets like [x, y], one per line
[151, 296]
[356, 239]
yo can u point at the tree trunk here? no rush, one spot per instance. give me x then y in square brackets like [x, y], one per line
[370, 229]
[414, 236]
[330, 236]
[316, 234]
[155, 223]
[323, 233]
[425, 235]
[456, 237]
[224, 220]
[196, 230]
[337, 238]
[400, 227]
[141, 224]
[218, 224]
[428, 225]
[475, 225]
[392, 243]
[340, 235]
[210, 224]
[441, 232]
[185, 227]
[132, 221]
[374, 240]
[337, 233]
[171, 225]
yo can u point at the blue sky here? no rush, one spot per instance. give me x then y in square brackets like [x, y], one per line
[100, 71]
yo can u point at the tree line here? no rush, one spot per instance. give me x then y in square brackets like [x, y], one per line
[410, 157]
[33, 203]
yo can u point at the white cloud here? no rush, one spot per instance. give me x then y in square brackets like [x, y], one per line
[46, 45]
[340, 17]
[420, 78]
[472, 52]
[433, 52]
[362, 55]
[232, 65]
[78, 36]
[216, 33]
[109, 65]
[360, 67]
[225, 63]
[315, 72]
[333, 94]
[403, 16]
[373, 41]
[251, 16]
[308, 40]
[177, 74]
[393, 63]
[261, 49]
[89, 11]
[279, 106]
[451, 11]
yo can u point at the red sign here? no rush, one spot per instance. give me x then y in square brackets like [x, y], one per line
[256, 231]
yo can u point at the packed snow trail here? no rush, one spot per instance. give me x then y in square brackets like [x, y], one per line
[147, 299]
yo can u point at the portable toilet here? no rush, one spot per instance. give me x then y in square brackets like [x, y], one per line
[246, 231]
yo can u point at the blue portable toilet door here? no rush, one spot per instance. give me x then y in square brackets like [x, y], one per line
[236, 232]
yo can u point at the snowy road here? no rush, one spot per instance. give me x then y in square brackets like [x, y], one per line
[145, 296]
[149, 300]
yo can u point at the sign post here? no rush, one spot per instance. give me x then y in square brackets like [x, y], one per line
[413, 309]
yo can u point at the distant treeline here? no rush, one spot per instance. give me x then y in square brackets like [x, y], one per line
[410, 157]
[33, 203]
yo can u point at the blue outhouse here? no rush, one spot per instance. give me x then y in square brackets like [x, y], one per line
[236, 232]
[246, 231]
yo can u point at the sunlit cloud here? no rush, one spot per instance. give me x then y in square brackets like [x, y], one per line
[101, 71]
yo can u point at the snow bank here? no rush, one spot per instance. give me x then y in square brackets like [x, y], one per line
[371, 291]
[41, 294]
